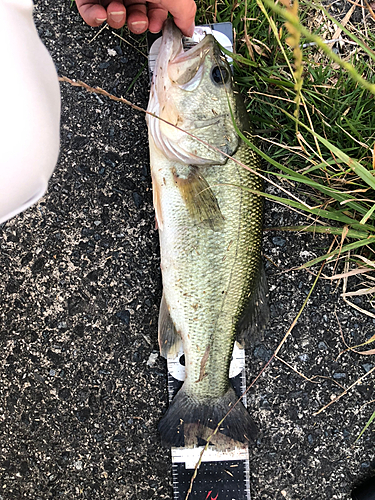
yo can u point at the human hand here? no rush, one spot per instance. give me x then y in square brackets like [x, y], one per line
[139, 14]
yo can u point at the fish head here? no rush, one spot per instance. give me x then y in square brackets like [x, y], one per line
[194, 95]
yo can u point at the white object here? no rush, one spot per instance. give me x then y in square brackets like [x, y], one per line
[152, 359]
[191, 456]
[29, 110]
[177, 370]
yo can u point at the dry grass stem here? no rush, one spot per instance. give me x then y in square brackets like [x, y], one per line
[346, 294]
[131, 45]
[344, 22]
[104, 27]
[353, 272]
[345, 392]
[353, 349]
[307, 378]
[247, 39]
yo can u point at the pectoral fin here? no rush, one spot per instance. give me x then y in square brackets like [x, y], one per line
[199, 198]
[169, 339]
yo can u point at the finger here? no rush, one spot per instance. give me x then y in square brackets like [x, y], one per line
[156, 17]
[92, 12]
[137, 19]
[183, 12]
[116, 14]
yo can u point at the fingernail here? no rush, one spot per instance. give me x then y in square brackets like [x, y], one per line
[154, 32]
[117, 17]
[100, 21]
[138, 26]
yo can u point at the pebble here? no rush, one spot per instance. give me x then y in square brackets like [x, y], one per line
[124, 316]
[137, 199]
[322, 346]
[367, 367]
[261, 352]
[303, 357]
[278, 241]
[365, 465]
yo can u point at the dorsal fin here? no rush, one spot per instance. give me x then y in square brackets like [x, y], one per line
[256, 313]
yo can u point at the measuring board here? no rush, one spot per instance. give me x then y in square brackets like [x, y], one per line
[221, 475]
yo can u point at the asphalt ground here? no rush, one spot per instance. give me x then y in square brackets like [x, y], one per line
[80, 397]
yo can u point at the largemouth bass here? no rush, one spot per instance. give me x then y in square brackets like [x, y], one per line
[214, 286]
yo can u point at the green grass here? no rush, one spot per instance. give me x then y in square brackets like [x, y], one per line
[325, 144]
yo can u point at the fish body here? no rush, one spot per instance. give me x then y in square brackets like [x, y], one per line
[210, 225]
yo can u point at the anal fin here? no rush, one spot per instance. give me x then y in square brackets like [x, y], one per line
[169, 339]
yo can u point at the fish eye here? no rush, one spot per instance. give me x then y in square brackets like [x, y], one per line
[220, 75]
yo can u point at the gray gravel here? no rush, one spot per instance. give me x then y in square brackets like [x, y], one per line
[80, 289]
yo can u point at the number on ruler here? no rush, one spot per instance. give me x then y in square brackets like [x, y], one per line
[208, 497]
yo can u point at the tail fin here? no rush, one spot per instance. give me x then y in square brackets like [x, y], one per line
[189, 419]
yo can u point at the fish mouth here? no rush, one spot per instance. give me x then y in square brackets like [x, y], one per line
[188, 43]
[185, 55]
[178, 47]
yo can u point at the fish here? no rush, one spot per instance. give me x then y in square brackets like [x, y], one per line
[209, 215]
